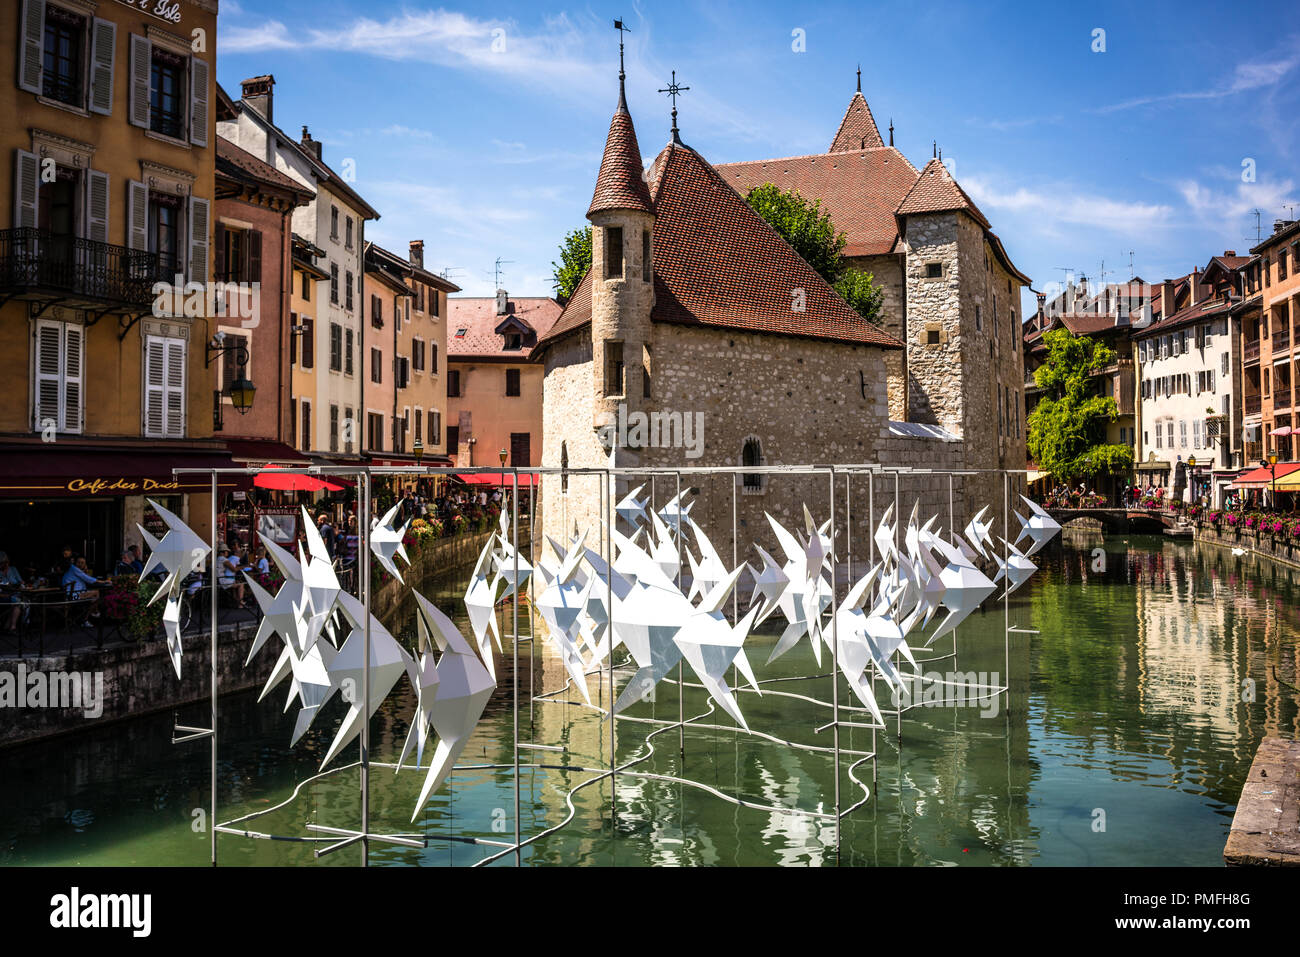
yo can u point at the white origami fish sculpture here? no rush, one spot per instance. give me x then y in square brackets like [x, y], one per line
[769, 583]
[561, 606]
[710, 645]
[673, 512]
[632, 509]
[464, 688]
[388, 661]
[480, 603]
[977, 532]
[965, 587]
[172, 625]
[849, 635]
[1017, 568]
[424, 679]
[709, 570]
[179, 552]
[804, 598]
[386, 542]
[1040, 527]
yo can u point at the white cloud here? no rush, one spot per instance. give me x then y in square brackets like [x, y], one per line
[1254, 75]
[1065, 206]
[1227, 209]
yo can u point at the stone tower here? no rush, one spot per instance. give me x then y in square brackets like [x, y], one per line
[622, 280]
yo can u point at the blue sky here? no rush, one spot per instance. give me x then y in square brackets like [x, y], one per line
[479, 127]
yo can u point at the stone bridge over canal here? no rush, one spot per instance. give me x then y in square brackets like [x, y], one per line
[1118, 519]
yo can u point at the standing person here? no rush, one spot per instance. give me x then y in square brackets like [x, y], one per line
[326, 532]
[12, 582]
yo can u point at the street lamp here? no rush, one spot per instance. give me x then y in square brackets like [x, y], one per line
[1191, 474]
[1272, 465]
[417, 448]
[502, 456]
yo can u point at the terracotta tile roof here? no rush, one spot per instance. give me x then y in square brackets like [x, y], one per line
[936, 192]
[241, 164]
[859, 190]
[718, 264]
[620, 184]
[1202, 310]
[478, 317]
[857, 129]
[1089, 324]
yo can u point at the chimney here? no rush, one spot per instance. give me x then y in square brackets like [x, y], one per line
[1279, 225]
[1195, 285]
[311, 146]
[257, 94]
[1230, 252]
[503, 302]
[1166, 299]
[417, 252]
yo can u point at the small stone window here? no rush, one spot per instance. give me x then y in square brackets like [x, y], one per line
[614, 252]
[645, 371]
[751, 455]
[934, 270]
[932, 337]
[646, 272]
[978, 320]
[564, 467]
[613, 367]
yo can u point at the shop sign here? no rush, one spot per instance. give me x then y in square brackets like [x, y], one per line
[95, 486]
[169, 10]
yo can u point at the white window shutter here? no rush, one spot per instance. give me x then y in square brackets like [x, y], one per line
[31, 48]
[154, 386]
[49, 366]
[198, 101]
[27, 178]
[102, 44]
[137, 215]
[141, 67]
[175, 389]
[198, 223]
[96, 206]
[73, 363]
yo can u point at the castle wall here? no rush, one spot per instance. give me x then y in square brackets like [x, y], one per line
[888, 273]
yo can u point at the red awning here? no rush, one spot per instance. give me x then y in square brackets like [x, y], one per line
[264, 450]
[1262, 477]
[499, 478]
[64, 470]
[292, 481]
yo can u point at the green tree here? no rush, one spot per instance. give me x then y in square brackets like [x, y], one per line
[811, 233]
[1067, 429]
[575, 260]
[858, 288]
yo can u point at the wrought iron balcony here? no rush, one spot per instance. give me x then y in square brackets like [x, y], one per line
[1250, 350]
[1281, 341]
[44, 266]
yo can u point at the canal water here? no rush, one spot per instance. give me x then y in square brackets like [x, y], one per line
[1142, 675]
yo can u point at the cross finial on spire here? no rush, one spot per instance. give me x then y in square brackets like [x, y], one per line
[859, 77]
[934, 149]
[891, 131]
[622, 96]
[673, 89]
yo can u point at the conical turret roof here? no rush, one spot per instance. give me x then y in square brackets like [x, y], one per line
[620, 184]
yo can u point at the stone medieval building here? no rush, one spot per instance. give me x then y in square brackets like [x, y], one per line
[699, 337]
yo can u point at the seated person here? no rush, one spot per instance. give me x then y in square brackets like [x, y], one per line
[10, 600]
[78, 582]
[136, 562]
[124, 565]
[228, 574]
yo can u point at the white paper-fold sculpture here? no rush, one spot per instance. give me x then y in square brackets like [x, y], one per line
[1017, 568]
[172, 626]
[965, 587]
[463, 690]
[386, 542]
[673, 512]
[480, 603]
[1039, 527]
[178, 552]
[561, 605]
[631, 509]
[710, 644]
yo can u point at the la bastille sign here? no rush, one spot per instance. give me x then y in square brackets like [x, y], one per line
[169, 10]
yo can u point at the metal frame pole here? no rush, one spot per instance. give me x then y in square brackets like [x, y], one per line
[514, 642]
[212, 623]
[1006, 597]
[363, 556]
[609, 593]
[681, 664]
[835, 665]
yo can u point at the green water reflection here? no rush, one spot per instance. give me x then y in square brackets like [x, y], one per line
[1126, 709]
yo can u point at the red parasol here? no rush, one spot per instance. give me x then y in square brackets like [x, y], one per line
[293, 482]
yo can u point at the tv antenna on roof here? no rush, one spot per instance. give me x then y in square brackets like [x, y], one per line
[1259, 233]
[1131, 273]
[1290, 208]
[497, 273]
[448, 270]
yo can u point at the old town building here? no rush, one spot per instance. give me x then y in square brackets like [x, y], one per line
[1269, 314]
[334, 221]
[1188, 381]
[106, 189]
[494, 388]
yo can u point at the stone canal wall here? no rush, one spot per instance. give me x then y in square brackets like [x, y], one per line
[1264, 544]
